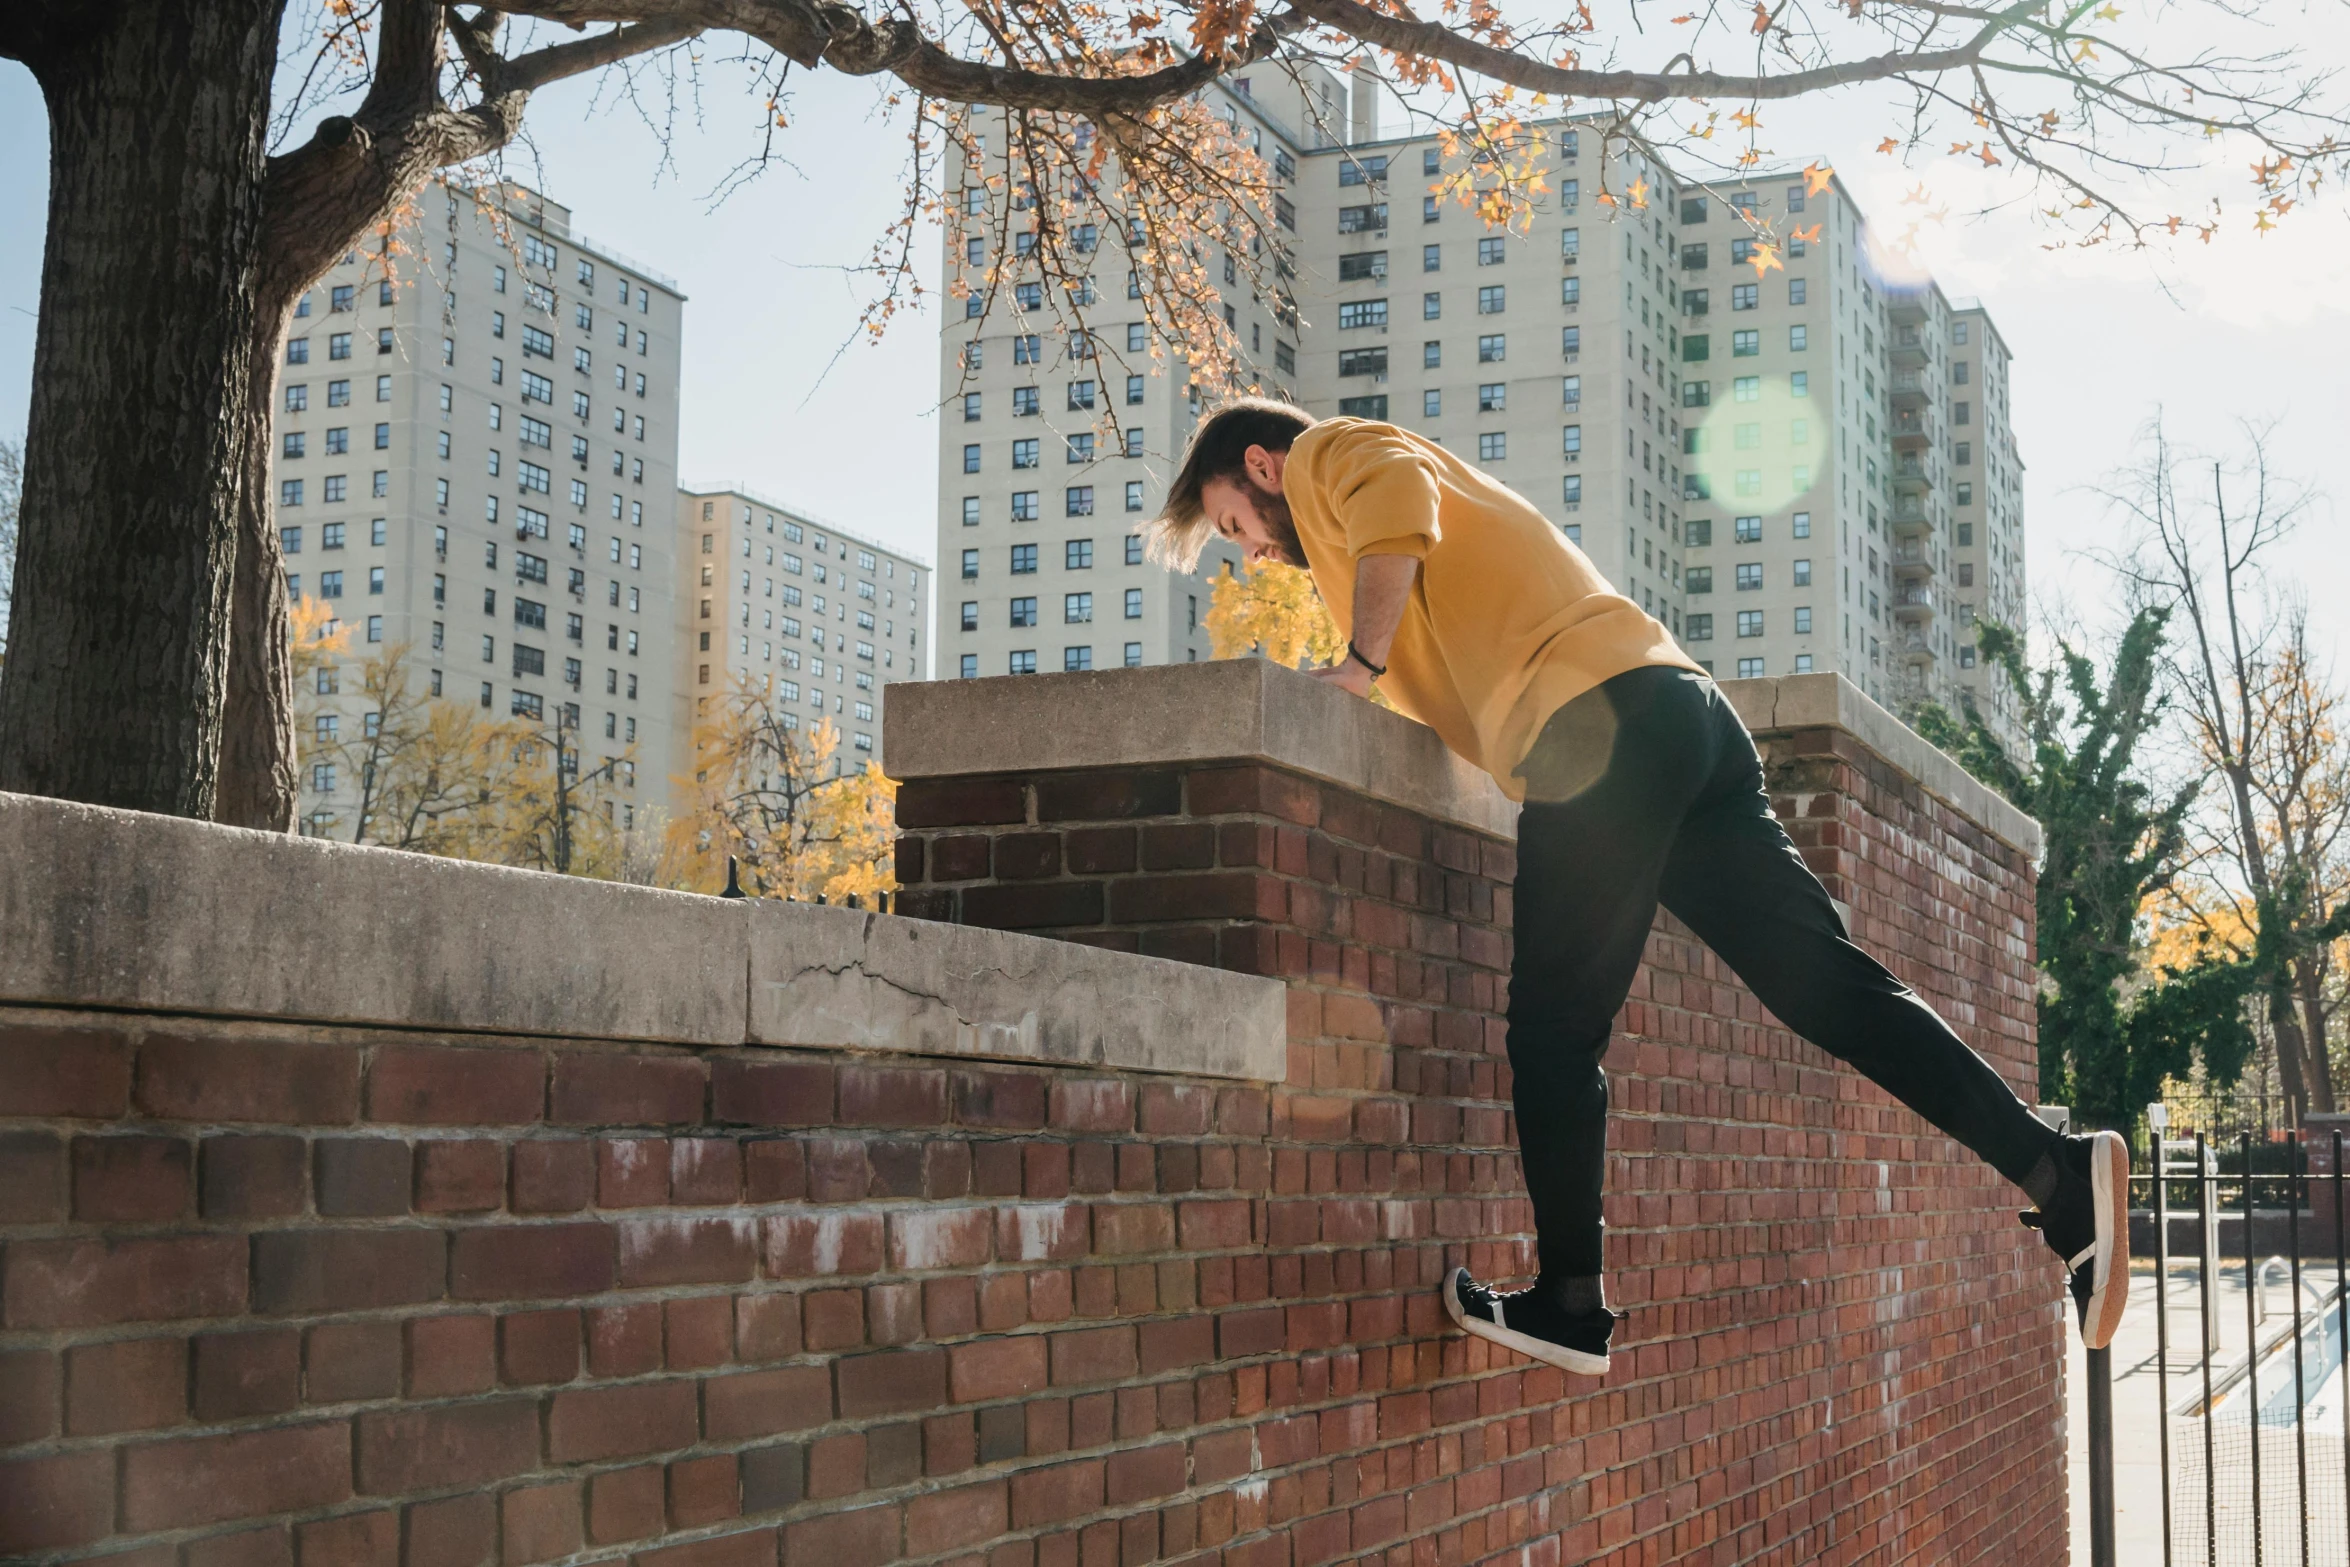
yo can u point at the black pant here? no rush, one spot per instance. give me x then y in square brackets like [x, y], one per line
[1648, 789]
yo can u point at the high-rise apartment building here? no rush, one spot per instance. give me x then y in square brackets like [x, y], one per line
[817, 620]
[478, 459]
[1801, 465]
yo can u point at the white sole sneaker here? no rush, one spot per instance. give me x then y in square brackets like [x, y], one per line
[2108, 1257]
[1581, 1362]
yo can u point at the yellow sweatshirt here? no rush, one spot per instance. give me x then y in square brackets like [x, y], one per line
[1507, 622]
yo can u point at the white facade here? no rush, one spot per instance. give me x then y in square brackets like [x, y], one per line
[819, 620]
[1801, 468]
[479, 460]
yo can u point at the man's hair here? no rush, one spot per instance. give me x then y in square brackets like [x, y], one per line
[1182, 529]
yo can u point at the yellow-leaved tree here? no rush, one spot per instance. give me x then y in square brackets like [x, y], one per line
[1273, 610]
[770, 794]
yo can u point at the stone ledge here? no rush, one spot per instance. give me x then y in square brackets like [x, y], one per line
[133, 912]
[1246, 708]
[1789, 703]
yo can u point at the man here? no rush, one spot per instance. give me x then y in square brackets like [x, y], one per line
[1639, 786]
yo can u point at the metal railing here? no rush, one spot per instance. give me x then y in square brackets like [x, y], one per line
[2252, 1467]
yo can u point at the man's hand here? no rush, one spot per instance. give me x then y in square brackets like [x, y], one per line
[1347, 675]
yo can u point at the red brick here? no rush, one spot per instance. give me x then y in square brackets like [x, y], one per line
[766, 1326]
[950, 1520]
[833, 1319]
[362, 1177]
[703, 1491]
[705, 1170]
[449, 1356]
[1108, 795]
[440, 1085]
[541, 1523]
[1213, 895]
[749, 1548]
[1003, 1100]
[771, 1093]
[867, 1537]
[997, 1368]
[442, 1446]
[32, 1177]
[892, 1096]
[934, 1238]
[893, 1382]
[344, 1362]
[1169, 1343]
[532, 1262]
[457, 1531]
[552, 1177]
[1084, 1356]
[255, 1177]
[821, 1245]
[536, 1347]
[220, 1078]
[599, 1089]
[698, 1333]
[624, 1341]
[961, 802]
[90, 1282]
[31, 1381]
[588, 1424]
[248, 1474]
[83, 1073]
[775, 1169]
[625, 1504]
[127, 1385]
[1027, 856]
[1098, 1104]
[353, 1540]
[1033, 905]
[52, 1503]
[1057, 1492]
[959, 857]
[632, 1172]
[239, 1375]
[673, 1250]
[271, 1545]
[132, 1180]
[1145, 1474]
[906, 857]
[762, 1403]
[1178, 846]
[347, 1270]
[460, 1175]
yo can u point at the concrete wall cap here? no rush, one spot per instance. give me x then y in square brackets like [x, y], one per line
[130, 911]
[1249, 709]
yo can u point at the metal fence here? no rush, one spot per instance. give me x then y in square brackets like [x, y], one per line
[2253, 1444]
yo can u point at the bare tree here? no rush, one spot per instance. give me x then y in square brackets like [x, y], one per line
[151, 653]
[2260, 722]
[11, 502]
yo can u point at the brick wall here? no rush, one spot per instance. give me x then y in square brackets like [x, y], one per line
[282, 1291]
[1842, 1348]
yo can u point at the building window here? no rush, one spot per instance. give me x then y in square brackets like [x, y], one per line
[1134, 495]
[1023, 612]
[1803, 620]
[1701, 628]
[1745, 345]
[1024, 662]
[968, 666]
[1492, 349]
[1798, 338]
[1750, 576]
[1077, 555]
[1699, 579]
[1493, 446]
[1750, 669]
[1362, 313]
[1077, 609]
[1696, 347]
[1747, 530]
[1024, 455]
[1492, 299]
[1134, 603]
[1024, 507]
[1023, 559]
[971, 458]
[1493, 397]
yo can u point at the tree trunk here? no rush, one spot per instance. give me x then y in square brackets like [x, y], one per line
[259, 777]
[2309, 980]
[140, 438]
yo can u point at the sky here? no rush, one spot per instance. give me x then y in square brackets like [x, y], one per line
[783, 393]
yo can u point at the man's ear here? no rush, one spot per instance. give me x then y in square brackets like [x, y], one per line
[1265, 467]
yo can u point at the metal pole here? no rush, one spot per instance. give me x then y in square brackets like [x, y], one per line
[2300, 1374]
[2252, 1352]
[2206, 1188]
[2162, 1338]
[2101, 1458]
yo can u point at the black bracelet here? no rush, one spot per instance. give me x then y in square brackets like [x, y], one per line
[1356, 654]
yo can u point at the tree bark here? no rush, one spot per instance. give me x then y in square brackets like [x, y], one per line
[138, 441]
[2309, 981]
[259, 779]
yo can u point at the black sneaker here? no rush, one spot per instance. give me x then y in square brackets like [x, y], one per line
[1520, 1321]
[2087, 1225]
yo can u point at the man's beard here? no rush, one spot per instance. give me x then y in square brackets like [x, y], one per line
[1273, 511]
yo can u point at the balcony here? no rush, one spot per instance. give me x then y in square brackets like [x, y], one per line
[1914, 604]
[1910, 389]
[1906, 309]
[1909, 476]
[1911, 430]
[1908, 345]
[1913, 563]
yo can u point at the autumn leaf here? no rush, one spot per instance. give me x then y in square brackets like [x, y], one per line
[1746, 119]
[1989, 157]
[2084, 52]
[2173, 224]
[1683, 20]
[2262, 221]
[1638, 191]
[1810, 236]
[1887, 145]
[1918, 197]
[1749, 158]
[1958, 147]
[1816, 177]
[2111, 13]
[1762, 17]
[1766, 256]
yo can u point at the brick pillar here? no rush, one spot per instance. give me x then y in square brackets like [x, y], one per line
[1813, 1273]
